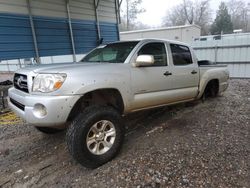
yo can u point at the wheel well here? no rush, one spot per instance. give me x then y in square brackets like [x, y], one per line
[212, 88]
[110, 97]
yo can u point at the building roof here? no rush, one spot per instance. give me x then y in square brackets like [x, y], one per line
[161, 29]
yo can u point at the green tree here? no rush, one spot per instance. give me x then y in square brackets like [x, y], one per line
[222, 22]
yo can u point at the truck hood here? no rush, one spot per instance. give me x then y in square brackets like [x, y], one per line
[60, 67]
[83, 77]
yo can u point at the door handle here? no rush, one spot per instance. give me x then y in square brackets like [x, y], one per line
[194, 72]
[167, 73]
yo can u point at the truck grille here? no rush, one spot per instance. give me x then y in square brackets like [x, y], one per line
[21, 83]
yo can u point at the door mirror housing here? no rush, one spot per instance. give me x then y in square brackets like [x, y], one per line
[144, 60]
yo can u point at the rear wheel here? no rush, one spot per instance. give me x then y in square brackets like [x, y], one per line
[211, 90]
[48, 130]
[95, 136]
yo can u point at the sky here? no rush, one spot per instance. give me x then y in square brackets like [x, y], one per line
[156, 10]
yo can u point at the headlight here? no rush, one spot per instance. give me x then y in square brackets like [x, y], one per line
[46, 83]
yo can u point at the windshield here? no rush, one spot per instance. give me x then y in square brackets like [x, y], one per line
[111, 53]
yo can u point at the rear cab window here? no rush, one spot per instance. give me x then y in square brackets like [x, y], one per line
[181, 55]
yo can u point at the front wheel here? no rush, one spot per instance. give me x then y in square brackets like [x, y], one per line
[95, 136]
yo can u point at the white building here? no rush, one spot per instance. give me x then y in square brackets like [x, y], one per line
[185, 33]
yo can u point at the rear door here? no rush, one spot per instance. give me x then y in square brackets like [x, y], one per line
[185, 72]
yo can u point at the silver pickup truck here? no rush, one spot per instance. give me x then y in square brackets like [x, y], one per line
[89, 97]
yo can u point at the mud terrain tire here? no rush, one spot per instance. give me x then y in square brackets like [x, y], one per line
[78, 133]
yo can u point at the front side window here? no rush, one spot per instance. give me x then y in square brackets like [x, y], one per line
[111, 53]
[157, 50]
[181, 55]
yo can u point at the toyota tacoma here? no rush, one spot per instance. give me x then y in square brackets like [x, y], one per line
[90, 97]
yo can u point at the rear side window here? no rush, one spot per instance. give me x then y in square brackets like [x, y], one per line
[181, 54]
[156, 49]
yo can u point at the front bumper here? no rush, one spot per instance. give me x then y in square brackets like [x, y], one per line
[57, 107]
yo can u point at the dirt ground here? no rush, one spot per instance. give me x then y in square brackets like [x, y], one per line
[192, 145]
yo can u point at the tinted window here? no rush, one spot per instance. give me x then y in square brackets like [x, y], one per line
[218, 37]
[203, 39]
[181, 54]
[158, 50]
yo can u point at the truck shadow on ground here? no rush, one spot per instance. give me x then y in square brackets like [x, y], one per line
[149, 119]
[139, 123]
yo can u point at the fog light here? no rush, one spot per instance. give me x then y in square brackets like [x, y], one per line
[39, 110]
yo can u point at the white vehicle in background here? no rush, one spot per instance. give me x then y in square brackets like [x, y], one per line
[111, 81]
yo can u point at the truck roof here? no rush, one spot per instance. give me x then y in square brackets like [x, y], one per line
[154, 40]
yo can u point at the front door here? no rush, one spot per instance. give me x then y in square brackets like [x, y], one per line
[150, 85]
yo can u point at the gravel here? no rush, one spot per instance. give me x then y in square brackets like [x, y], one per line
[189, 145]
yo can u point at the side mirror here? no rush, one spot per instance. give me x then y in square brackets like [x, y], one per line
[144, 60]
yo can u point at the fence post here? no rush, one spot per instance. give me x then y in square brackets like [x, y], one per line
[8, 66]
[215, 54]
[71, 30]
[19, 63]
[96, 5]
[37, 58]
